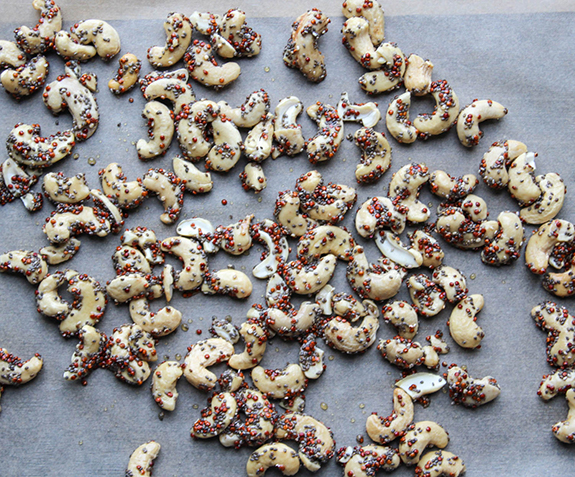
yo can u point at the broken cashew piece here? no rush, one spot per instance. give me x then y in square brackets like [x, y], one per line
[417, 78]
[375, 155]
[419, 436]
[523, 186]
[253, 178]
[276, 455]
[236, 238]
[25, 79]
[287, 132]
[164, 380]
[203, 67]
[473, 114]
[178, 30]
[128, 194]
[57, 254]
[203, 354]
[227, 281]
[397, 119]
[468, 391]
[11, 56]
[428, 247]
[438, 463]
[99, 33]
[561, 381]
[505, 247]
[142, 460]
[494, 164]
[279, 383]
[385, 430]
[160, 130]
[443, 116]
[390, 246]
[196, 181]
[541, 244]
[565, 430]
[30, 264]
[40, 38]
[127, 75]
[327, 140]
[170, 191]
[367, 114]
[427, 297]
[255, 339]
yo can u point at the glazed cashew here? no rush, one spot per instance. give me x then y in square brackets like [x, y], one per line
[158, 324]
[438, 463]
[192, 129]
[505, 247]
[227, 148]
[323, 240]
[462, 326]
[308, 278]
[311, 357]
[404, 190]
[170, 85]
[127, 75]
[403, 317]
[258, 145]
[452, 281]
[428, 247]
[468, 391]
[287, 132]
[170, 191]
[255, 108]
[558, 323]
[367, 114]
[407, 354]
[131, 349]
[549, 203]
[561, 381]
[386, 429]
[202, 230]
[272, 236]
[222, 328]
[316, 444]
[30, 264]
[372, 12]
[203, 67]
[417, 78]
[203, 354]
[473, 114]
[327, 140]
[196, 182]
[561, 284]
[287, 213]
[128, 259]
[134, 285]
[253, 178]
[25, 79]
[11, 55]
[390, 76]
[273, 455]
[205, 23]
[302, 51]
[375, 155]
[128, 194]
[14, 371]
[99, 33]
[428, 298]
[193, 258]
[541, 244]
[164, 380]
[90, 353]
[142, 460]
[493, 166]
[69, 49]
[40, 38]
[397, 119]
[240, 40]
[443, 116]
[374, 281]
[366, 461]
[346, 306]
[523, 185]
[65, 190]
[391, 247]
[291, 323]
[357, 40]
[57, 254]
[279, 383]
[145, 240]
[75, 93]
[160, 130]
[255, 339]
[278, 293]
[418, 437]
[452, 188]
[378, 213]
[178, 37]
[565, 430]
[227, 281]
[236, 238]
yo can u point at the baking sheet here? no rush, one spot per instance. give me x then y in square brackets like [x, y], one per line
[54, 427]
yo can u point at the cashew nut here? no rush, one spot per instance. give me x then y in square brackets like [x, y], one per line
[273, 455]
[452, 281]
[90, 353]
[367, 114]
[134, 285]
[368, 460]
[473, 114]
[26, 79]
[273, 236]
[372, 12]
[287, 213]
[235, 238]
[196, 182]
[227, 281]
[127, 75]
[302, 51]
[164, 380]
[565, 430]
[561, 381]
[225, 329]
[11, 55]
[356, 38]
[65, 190]
[417, 78]
[279, 383]
[192, 128]
[418, 437]
[203, 354]
[146, 241]
[310, 277]
[278, 293]
[346, 306]
[323, 240]
[440, 463]
[558, 323]
[403, 317]
[420, 384]
[549, 203]
[428, 298]
[200, 229]
[227, 148]
[493, 166]
[14, 371]
[259, 142]
[375, 155]
[289, 322]
[386, 429]
[56, 254]
[255, 339]
[160, 323]
[287, 132]
[128, 259]
[193, 258]
[541, 244]
[468, 391]
[311, 357]
[452, 188]
[325, 143]
[254, 109]
[15, 182]
[443, 116]
[99, 33]
[178, 37]
[464, 331]
[407, 354]
[428, 247]
[404, 190]
[170, 85]
[391, 74]
[40, 38]
[505, 247]
[31, 264]
[170, 191]
[239, 38]
[160, 130]
[523, 185]
[69, 49]
[377, 213]
[203, 67]
[390, 246]
[397, 119]
[206, 23]
[129, 194]
[131, 348]
[142, 460]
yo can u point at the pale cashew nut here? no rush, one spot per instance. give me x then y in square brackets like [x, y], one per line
[131, 348]
[523, 185]
[193, 258]
[203, 354]
[302, 51]
[375, 155]
[276, 455]
[311, 357]
[561, 381]
[561, 284]
[128, 194]
[128, 259]
[195, 181]
[134, 285]
[192, 129]
[278, 293]
[227, 148]
[327, 140]
[99, 33]
[418, 437]
[310, 277]
[372, 12]
[367, 114]
[57, 254]
[255, 339]
[142, 460]
[178, 30]
[452, 281]
[468, 391]
[383, 430]
[505, 247]
[390, 76]
[230, 381]
[541, 244]
[170, 191]
[473, 114]
[69, 49]
[493, 166]
[258, 145]
[287, 213]
[164, 380]
[462, 326]
[237, 35]
[390, 246]
[357, 40]
[170, 85]
[203, 67]
[11, 55]
[227, 281]
[452, 188]
[25, 79]
[323, 240]
[438, 463]
[273, 236]
[428, 247]
[127, 75]
[90, 354]
[404, 190]
[160, 130]
[565, 430]
[15, 182]
[206, 23]
[160, 323]
[145, 240]
[40, 38]
[30, 264]
[377, 213]
[417, 78]
[65, 190]
[287, 132]
[443, 116]
[403, 317]
[366, 461]
[558, 323]
[14, 371]
[397, 119]
[427, 297]
[346, 306]
[236, 238]
[200, 229]
[225, 329]
[291, 323]
[407, 354]
[549, 203]
[279, 383]
[255, 108]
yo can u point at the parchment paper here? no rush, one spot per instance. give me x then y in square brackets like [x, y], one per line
[524, 61]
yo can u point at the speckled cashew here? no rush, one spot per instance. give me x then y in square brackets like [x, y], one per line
[418, 437]
[227, 281]
[253, 178]
[99, 33]
[367, 114]
[390, 76]
[374, 281]
[205, 23]
[316, 444]
[549, 203]
[75, 93]
[131, 286]
[366, 461]
[160, 130]
[235, 37]
[164, 380]
[193, 258]
[289, 322]
[346, 306]
[375, 155]
[40, 38]
[302, 51]
[407, 354]
[25, 79]
[311, 357]
[323, 240]
[276, 455]
[287, 132]
[493, 166]
[541, 244]
[377, 213]
[287, 213]
[15, 182]
[279, 383]
[561, 284]
[561, 381]
[473, 114]
[308, 278]
[203, 354]
[565, 430]
[522, 184]
[170, 85]
[475, 208]
[160, 323]
[222, 328]
[372, 12]
[14, 371]
[357, 40]
[438, 463]
[505, 247]
[255, 108]
[170, 191]
[462, 326]
[178, 37]
[404, 190]
[196, 182]
[235, 239]
[204, 69]
[145, 240]
[255, 339]
[128, 259]
[403, 317]
[258, 145]
[142, 460]
[128, 194]
[277, 291]
[90, 353]
[428, 298]
[57, 254]
[200, 229]
[390, 246]
[452, 281]
[65, 190]
[107, 208]
[327, 140]
[397, 119]
[452, 188]
[417, 78]
[386, 429]
[272, 236]
[468, 391]
[227, 148]
[69, 49]
[443, 116]
[11, 56]
[30, 264]
[558, 323]
[428, 247]
[127, 75]
[192, 129]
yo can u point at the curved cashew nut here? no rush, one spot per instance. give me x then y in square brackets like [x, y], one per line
[428, 298]
[65, 190]
[404, 190]
[40, 38]
[390, 76]
[258, 145]
[417, 77]
[558, 323]
[428, 247]
[16, 183]
[203, 67]
[200, 229]
[375, 155]
[227, 281]
[386, 429]
[131, 286]
[461, 231]
[191, 129]
[505, 247]
[225, 329]
[372, 12]
[440, 463]
[178, 30]
[170, 191]
[287, 213]
[170, 85]
[255, 108]
[203, 354]
[99, 33]
[311, 357]
[255, 339]
[549, 203]
[523, 185]
[356, 38]
[397, 119]
[493, 166]
[69, 91]
[160, 130]
[69, 49]
[560, 381]
[129, 194]
[273, 455]
[142, 460]
[390, 246]
[462, 326]
[227, 148]
[57, 254]
[14, 371]
[565, 430]
[468, 391]
[127, 75]
[327, 140]
[377, 213]
[160, 323]
[419, 436]
[541, 244]
[443, 116]
[11, 55]
[25, 79]
[561, 284]
[146, 241]
[235, 36]
[323, 240]
[128, 259]
[279, 383]
[473, 114]
[452, 188]
[308, 278]
[366, 113]
[196, 182]
[289, 322]
[90, 353]
[316, 444]
[452, 281]
[346, 306]
[193, 258]
[205, 23]
[278, 293]
[368, 460]
[302, 51]
[164, 380]
[403, 317]
[253, 178]
[287, 132]
[235, 238]
[407, 354]
[31, 264]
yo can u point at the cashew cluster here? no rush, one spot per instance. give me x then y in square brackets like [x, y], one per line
[559, 324]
